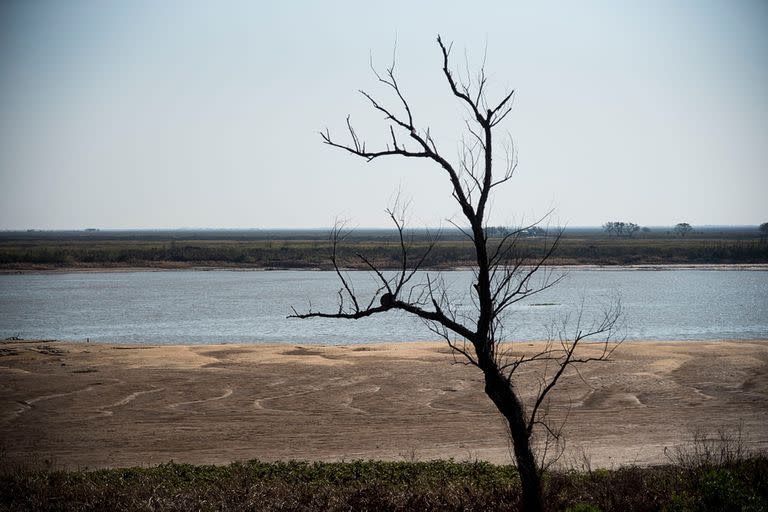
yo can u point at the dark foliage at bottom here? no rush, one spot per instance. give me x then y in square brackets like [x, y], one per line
[438, 485]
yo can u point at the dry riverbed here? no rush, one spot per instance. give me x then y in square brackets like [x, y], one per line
[98, 405]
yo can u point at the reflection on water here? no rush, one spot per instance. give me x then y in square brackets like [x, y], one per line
[231, 306]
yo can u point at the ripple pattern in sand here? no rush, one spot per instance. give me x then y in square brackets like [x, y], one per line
[104, 410]
[227, 393]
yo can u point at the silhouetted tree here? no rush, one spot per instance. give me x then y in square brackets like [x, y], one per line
[682, 229]
[610, 228]
[626, 229]
[502, 231]
[504, 274]
[763, 232]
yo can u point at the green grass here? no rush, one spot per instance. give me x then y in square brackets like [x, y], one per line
[370, 485]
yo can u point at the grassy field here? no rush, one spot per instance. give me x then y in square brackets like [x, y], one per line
[310, 249]
[737, 485]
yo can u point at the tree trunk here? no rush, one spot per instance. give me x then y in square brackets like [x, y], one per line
[503, 396]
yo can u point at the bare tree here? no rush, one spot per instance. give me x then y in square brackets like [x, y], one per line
[621, 229]
[610, 228]
[683, 229]
[505, 272]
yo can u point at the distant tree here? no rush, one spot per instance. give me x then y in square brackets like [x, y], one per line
[504, 231]
[621, 229]
[497, 231]
[763, 231]
[646, 229]
[504, 272]
[682, 229]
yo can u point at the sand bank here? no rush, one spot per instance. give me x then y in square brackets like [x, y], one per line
[99, 405]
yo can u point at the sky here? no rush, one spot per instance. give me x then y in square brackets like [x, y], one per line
[185, 114]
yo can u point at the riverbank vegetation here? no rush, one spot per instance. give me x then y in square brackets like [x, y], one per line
[740, 484]
[310, 249]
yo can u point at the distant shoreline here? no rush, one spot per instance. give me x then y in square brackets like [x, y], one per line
[133, 251]
[53, 269]
[517, 344]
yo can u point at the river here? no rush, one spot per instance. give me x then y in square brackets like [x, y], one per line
[199, 307]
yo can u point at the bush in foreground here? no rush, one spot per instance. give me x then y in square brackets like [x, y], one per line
[373, 485]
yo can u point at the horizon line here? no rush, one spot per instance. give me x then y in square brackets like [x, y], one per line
[325, 228]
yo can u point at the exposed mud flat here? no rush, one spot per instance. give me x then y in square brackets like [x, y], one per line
[97, 405]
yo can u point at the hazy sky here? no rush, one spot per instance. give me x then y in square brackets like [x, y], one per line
[188, 114]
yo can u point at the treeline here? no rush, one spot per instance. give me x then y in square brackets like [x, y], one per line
[281, 256]
[315, 254]
[638, 252]
[140, 255]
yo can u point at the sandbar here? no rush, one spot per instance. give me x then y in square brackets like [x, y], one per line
[93, 405]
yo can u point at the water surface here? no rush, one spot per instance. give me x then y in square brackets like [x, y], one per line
[236, 306]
